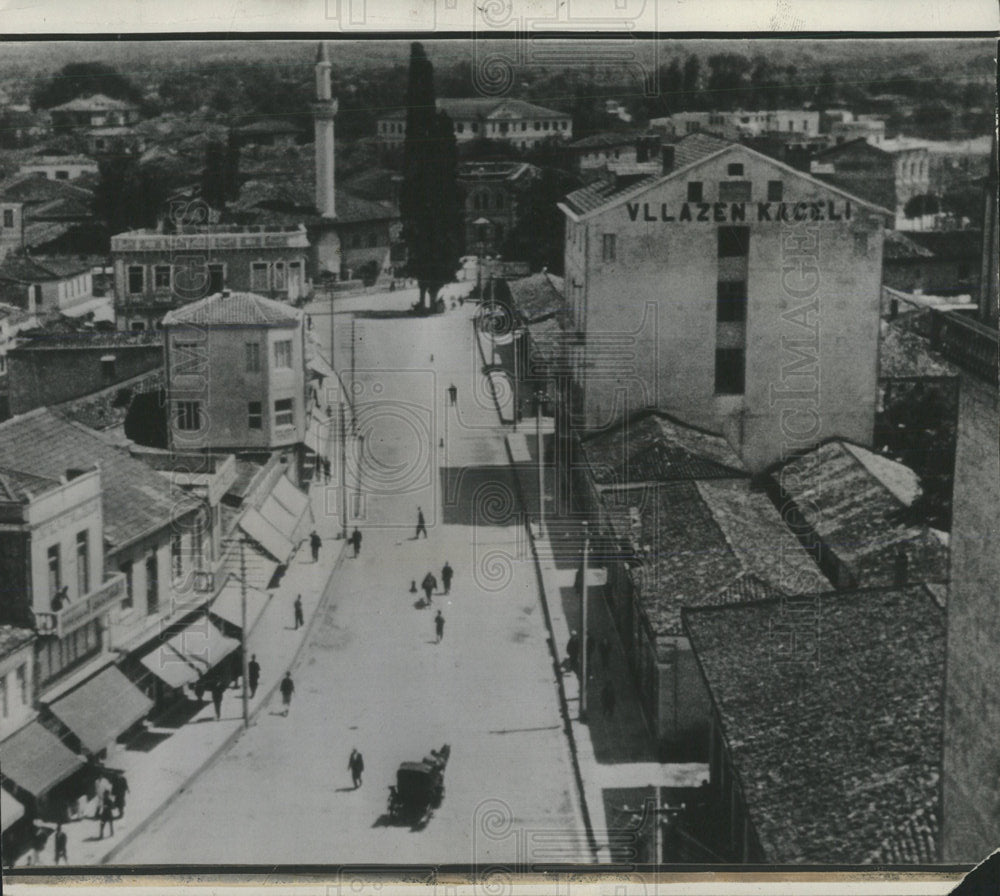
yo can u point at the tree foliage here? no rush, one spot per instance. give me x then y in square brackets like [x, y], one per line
[537, 237]
[429, 200]
[84, 79]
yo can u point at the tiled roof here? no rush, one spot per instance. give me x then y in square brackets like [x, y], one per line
[949, 243]
[601, 192]
[269, 126]
[695, 147]
[136, 500]
[36, 187]
[291, 199]
[853, 510]
[25, 269]
[485, 107]
[515, 108]
[96, 103]
[651, 447]
[374, 184]
[12, 637]
[609, 138]
[62, 208]
[234, 308]
[538, 295]
[899, 245]
[831, 708]
[903, 353]
[16, 485]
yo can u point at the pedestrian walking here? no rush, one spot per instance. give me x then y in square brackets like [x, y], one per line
[309, 321]
[421, 524]
[356, 764]
[439, 626]
[287, 689]
[299, 618]
[604, 648]
[60, 840]
[218, 689]
[315, 542]
[429, 584]
[573, 650]
[107, 817]
[356, 541]
[253, 671]
[119, 787]
[453, 394]
[608, 698]
[446, 575]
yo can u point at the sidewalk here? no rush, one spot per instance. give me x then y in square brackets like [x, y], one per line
[614, 752]
[160, 762]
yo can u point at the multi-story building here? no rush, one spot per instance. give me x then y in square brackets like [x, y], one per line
[734, 292]
[889, 174]
[12, 321]
[870, 130]
[493, 191]
[155, 272]
[731, 125]
[48, 286]
[513, 121]
[236, 376]
[97, 111]
[46, 216]
[59, 167]
[616, 152]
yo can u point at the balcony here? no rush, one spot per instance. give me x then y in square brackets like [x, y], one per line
[81, 611]
[967, 342]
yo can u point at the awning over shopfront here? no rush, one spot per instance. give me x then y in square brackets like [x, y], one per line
[35, 760]
[190, 654]
[295, 501]
[102, 708]
[170, 667]
[269, 537]
[228, 605]
[10, 810]
[259, 565]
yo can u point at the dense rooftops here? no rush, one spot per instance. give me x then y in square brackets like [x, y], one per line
[831, 707]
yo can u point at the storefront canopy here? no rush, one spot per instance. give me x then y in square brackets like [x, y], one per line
[10, 809]
[269, 537]
[102, 708]
[170, 667]
[228, 605]
[35, 760]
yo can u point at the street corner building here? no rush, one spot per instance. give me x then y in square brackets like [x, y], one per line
[731, 290]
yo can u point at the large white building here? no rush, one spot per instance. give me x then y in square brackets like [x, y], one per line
[732, 291]
[513, 121]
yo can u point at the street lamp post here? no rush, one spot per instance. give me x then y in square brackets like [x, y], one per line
[343, 471]
[540, 397]
[517, 375]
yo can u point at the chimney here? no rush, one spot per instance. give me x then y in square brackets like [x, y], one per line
[324, 111]
[666, 159]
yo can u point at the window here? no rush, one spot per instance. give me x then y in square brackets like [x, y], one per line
[189, 416]
[524, 125]
[735, 169]
[734, 191]
[129, 599]
[475, 127]
[152, 585]
[8, 217]
[21, 675]
[108, 368]
[283, 354]
[734, 242]
[255, 415]
[861, 243]
[251, 351]
[608, 247]
[161, 276]
[459, 128]
[775, 190]
[731, 301]
[538, 125]
[372, 240]
[280, 278]
[137, 326]
[284, 412]
[258, 276]
[176, 556]
[55, 571]
[564, 125]
[694, 191]
[136, 279]
[729, 371]
[83, 563]
[61, 174]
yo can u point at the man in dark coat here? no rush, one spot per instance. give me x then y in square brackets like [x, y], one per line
[573, 650]
[429, 584]
[253, 671]
[107, 816]
[61, 845]
[119, 790]
[287, 689]
[314, 542]
[439, 626]
[446, 575]
[356, 541]
[357, 765]
[218, 689]
[453, 394]
[299, 618]
[421, 524]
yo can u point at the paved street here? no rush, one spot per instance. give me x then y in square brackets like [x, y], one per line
[371, 675]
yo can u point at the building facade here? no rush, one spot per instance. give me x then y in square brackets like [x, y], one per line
[155, 272]
[734, 292]
[236, 376]
[97, 111]
[493, 192]
[59, 167]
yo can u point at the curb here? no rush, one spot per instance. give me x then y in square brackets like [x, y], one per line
[563, 703]
[231, 738]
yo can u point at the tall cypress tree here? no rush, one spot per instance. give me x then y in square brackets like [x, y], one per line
[429, 203]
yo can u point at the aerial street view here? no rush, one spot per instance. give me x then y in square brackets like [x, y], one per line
[401, 467]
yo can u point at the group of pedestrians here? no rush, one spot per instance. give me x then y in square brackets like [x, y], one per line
[603, 648]
[111, 796]
[429, 583]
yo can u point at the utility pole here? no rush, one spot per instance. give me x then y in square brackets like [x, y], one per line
[354, 416]
[332, 335]
[243, 633]
[583, 626]
[517, 376]
[539, 395]
[343, 472]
